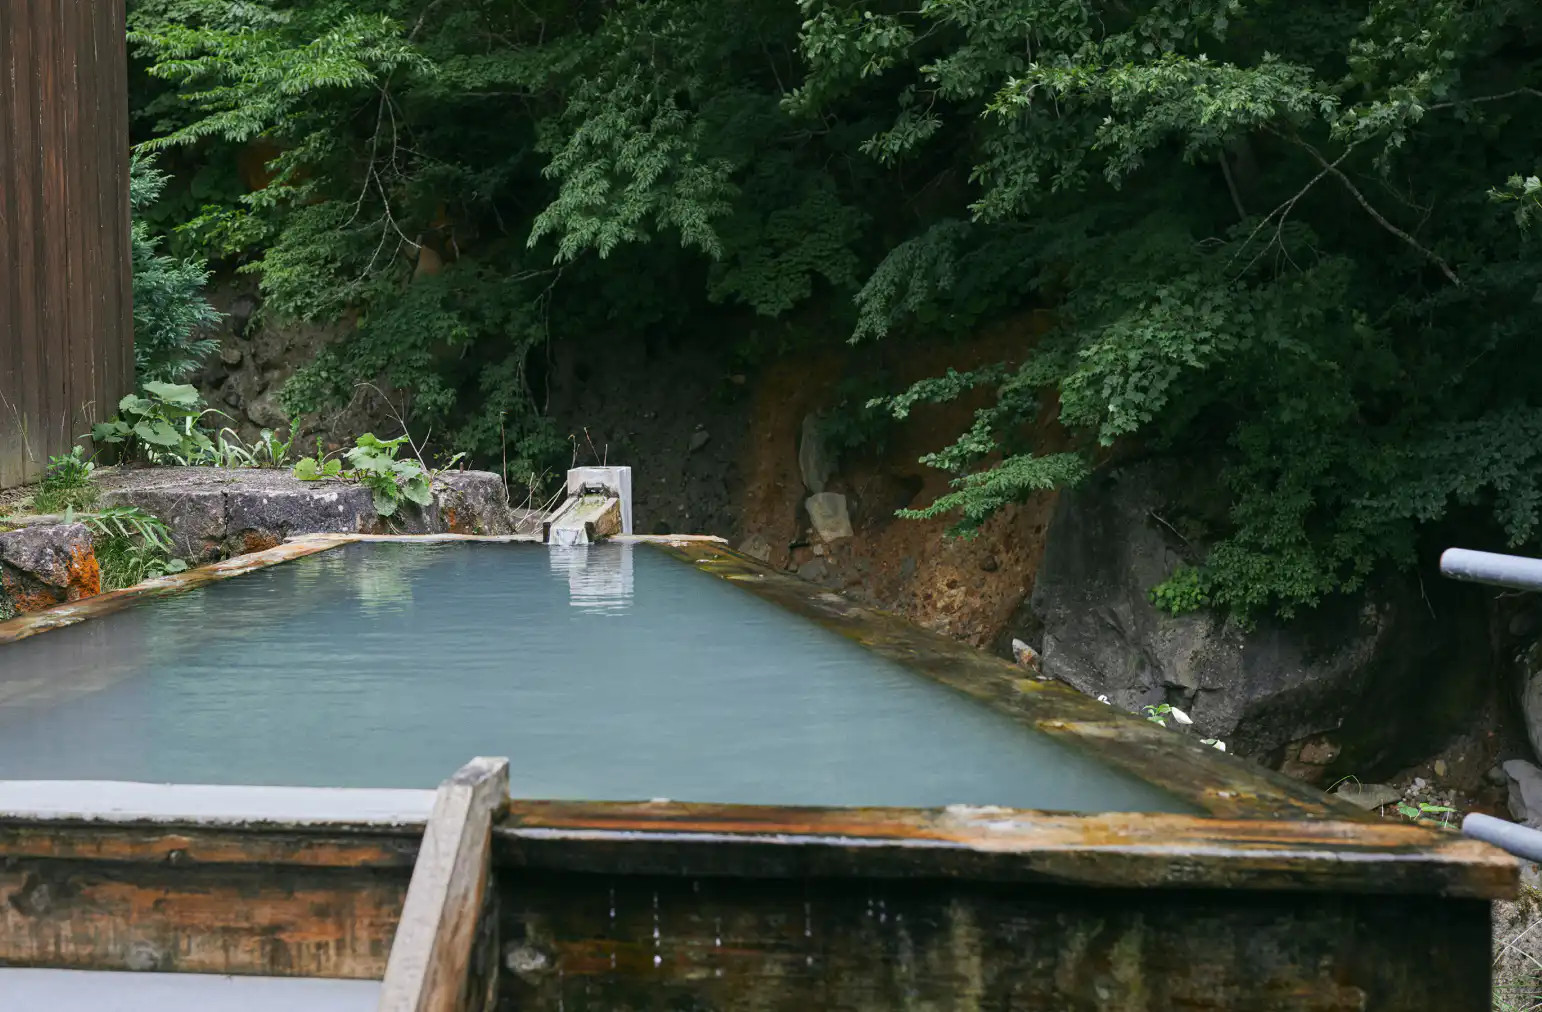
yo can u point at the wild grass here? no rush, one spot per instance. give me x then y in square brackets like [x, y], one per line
[66, 484]
[131, 546]
[1518, 951]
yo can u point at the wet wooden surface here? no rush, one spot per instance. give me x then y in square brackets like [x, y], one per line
[432, 960]
[66, 330]
[321, 901]
[1145, 850]
[1217, 783]
[212, 918]
[185, 846]
[596, 942]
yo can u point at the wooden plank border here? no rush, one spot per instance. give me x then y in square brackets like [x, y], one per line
[429, 969]
[1111, 850]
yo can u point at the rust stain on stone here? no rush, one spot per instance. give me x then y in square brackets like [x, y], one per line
[27, 600]
[85, 574]
[259, 541]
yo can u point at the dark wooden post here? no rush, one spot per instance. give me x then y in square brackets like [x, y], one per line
[66, 305]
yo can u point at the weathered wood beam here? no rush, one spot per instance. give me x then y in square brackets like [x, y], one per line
[1000, 845]
[184, 916]
[430, 965]
[202, 879]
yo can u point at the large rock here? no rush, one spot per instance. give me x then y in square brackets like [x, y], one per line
[829, 515]
[219, 512]
[45, 565]
[815, 461]
[1528, 672]
[1351, 687]
[215, 512]
[473, 502]
[1524, 783]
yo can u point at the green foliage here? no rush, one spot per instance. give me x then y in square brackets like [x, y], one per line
[1424, 812]
[856, 419]
[160, 426]
[1184, 591]
[66, 484]
[131, 546]
[1261, 245]
[316, 469]
[510, 144]
[1266, 233]
[170, 312]
[375, 464]
[1525, 192]
[229, 450]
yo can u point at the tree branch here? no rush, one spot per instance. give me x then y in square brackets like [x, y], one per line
[1377, 216]
[1485, 98]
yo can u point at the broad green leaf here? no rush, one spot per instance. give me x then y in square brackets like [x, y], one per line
[385, 502]
[180, 394]
[157, 433]
[370, 440]
[418, 491]
[109, 432]
[366, 459]
[307, 469]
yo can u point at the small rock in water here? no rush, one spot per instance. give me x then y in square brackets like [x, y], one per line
[1440, 767]
[699, 438]
[1420, 783]
[1025, 655]
[1496, 776]
[1368, 796]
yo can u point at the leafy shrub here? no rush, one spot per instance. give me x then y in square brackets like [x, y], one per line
[1264, 230]
[229, 450]
[170, 313]
[66, 483]
[131, 546]
[160, 426]
[374, 464]
[391, 480]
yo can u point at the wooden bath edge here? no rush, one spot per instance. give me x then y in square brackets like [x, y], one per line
[1216, 783]
[1229, 790]
[677, 839]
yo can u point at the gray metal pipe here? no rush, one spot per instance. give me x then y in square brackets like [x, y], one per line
[1507, 836]
[1513, 571]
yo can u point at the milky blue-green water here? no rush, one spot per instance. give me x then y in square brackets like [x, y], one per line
[613, 672]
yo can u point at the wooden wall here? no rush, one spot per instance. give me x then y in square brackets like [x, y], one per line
[66, 306]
